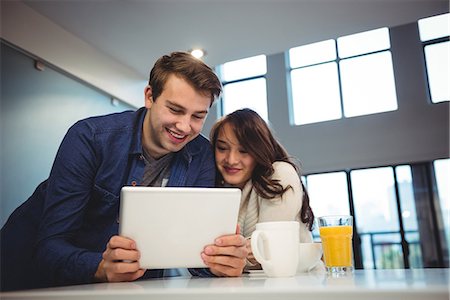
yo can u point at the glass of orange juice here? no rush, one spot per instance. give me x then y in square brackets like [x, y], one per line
[336, 233]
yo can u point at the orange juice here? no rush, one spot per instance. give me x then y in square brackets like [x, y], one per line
[337, 245]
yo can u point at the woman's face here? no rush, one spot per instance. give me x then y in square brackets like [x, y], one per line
[233, 162]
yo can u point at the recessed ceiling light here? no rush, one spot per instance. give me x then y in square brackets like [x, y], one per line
[198, 53]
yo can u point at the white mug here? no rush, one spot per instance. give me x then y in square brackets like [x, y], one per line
[275, 247]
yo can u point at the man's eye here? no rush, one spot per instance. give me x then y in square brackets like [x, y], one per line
[199, 117]
[243, 151]
[175, 110]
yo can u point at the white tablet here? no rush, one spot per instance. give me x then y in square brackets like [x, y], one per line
[171, 225]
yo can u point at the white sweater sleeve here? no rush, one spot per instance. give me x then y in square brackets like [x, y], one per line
[286, 207]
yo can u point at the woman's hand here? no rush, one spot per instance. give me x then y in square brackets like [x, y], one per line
[250, 256]
[227, 256]
[120, 261]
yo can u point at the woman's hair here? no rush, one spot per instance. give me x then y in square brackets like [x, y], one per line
[256, 138]
[184, 65]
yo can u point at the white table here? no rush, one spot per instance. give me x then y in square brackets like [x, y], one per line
[418, 284]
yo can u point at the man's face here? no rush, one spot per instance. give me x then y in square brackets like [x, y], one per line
[173, 119]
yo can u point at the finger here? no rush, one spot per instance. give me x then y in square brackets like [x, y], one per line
[118, 241]
[238, 229]
[224, 270]
[239, 252]
[122, 267]
[121, 254]
[230, 261]
[230, 240]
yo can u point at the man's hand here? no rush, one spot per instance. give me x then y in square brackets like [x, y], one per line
[120, 261]
[227, 256]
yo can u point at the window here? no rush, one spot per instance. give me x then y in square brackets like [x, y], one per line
[377, 217]
[332, 200]
[351, 77]
[389, 212]
[244, 85]
[409, 214]
[434, 34]
[368, 92]
[436, 56]
[434, 27]
[442, 173]
[314, 103]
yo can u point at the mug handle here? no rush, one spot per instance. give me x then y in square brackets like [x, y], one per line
[256, 235]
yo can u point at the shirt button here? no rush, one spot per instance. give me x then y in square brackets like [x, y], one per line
[133, 183]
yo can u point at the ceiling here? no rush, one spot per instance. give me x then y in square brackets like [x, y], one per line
[136, 33]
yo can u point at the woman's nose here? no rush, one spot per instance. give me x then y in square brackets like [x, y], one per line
[233, 157]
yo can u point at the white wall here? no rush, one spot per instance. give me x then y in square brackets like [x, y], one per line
[23, 27]
[36, 109]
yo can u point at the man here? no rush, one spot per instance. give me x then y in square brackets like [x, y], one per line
[66, 232]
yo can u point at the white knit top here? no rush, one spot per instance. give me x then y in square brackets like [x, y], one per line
[255, 209]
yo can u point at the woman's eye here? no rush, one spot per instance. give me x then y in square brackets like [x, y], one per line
[221, 148]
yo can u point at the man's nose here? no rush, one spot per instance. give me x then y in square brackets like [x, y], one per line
[184, 124]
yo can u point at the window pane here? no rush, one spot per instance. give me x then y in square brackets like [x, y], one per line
[438, 64]
[388, 251]
[406, 192]
[312, 54]
[375, 201]
[248, 93]
[244, 68]
[415, 251]
[409, 215]
[442, 172]
[315, 94]
[332, 200]
[376, 217]
[364, 42]
[368, 84]
[434, 27]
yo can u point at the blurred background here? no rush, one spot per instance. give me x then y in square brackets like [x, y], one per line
[357, 90]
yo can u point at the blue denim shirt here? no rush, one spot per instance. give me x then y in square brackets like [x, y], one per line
[78, 204]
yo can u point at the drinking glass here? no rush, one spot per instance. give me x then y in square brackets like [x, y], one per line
[336, 233]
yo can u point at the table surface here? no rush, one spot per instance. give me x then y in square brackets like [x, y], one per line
[362, 284]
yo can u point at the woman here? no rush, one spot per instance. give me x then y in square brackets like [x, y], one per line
[249, 157]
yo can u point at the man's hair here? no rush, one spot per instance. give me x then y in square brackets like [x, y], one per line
[256, 138]
[182, 64]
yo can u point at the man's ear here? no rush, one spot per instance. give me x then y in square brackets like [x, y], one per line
[148, 96]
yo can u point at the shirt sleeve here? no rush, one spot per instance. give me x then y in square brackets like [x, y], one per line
[207, 172]
[69, 187]
[287, 206]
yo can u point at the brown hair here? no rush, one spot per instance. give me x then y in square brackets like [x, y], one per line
[257, 139]
[184, 65]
